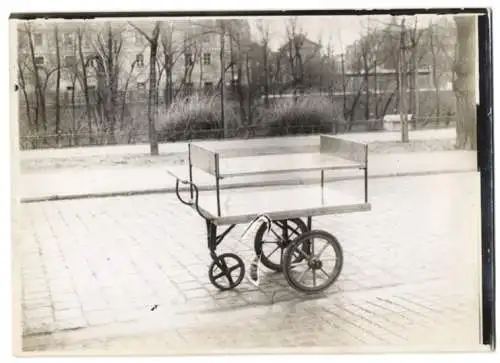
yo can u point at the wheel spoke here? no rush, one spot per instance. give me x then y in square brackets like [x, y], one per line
[277, 236]
[312, 246]
[327, 276]
[303, 274]
[230, 279]
[302, 253]
[295, 231]
[295, 264]
[322, 250]
[269, 255]
[218, 276]
[226, 271]
[269, 242]
[314, 277]
[235, 267]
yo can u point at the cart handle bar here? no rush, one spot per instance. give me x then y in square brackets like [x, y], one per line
[191, 202]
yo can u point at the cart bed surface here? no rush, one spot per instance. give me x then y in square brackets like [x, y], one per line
[243, 205]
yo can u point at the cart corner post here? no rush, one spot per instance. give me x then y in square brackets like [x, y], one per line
[366, 173]
[217, 187]
[190, 171]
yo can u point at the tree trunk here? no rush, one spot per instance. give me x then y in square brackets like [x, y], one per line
[375, 85]
[344, 97]
[112, 89]
[222, 77]
[40, 99]
[266, 76]
[464, 85]
[435, 78]
[413, 84]
[58, 83]
[22, 85]
[84, 65]
[250, 121]
[231, 59]
[125, 90]
[201, 66]
[367, 88]
[402, 73]
[153, 140]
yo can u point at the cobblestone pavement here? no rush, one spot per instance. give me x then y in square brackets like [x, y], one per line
[130, 273]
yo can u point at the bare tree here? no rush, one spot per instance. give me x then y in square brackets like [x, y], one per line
[464, 85]
[108, 45]
[402, 75]
[58, 81]
[192, 53]
[84, 64]
[441, 59]
[294, 45]
[415, 35]
[23, 87]
[152, 99]
[263, 28]
[171, 52]
[222, 36]
[40, 96]
[71, 68]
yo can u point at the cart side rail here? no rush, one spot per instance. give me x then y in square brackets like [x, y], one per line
[349, 150]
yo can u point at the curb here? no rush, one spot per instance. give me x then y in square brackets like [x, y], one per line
[290, 182]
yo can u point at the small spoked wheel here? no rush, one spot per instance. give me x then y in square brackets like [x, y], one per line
[227, 272]
[320, 265]
[270, 246]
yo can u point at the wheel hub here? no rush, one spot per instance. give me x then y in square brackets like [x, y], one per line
[315, 264]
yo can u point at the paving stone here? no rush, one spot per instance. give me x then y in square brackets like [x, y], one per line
[131, 264]
[38, 313]
[99, 317]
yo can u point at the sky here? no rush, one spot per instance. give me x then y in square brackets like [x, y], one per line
[342, 30]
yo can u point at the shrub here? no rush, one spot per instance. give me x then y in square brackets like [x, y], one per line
[302, 116]
[196, 117]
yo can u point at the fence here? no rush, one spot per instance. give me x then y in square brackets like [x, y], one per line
[133, 136]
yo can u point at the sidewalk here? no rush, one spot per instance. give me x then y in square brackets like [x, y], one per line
[181, 147]
[69, 184]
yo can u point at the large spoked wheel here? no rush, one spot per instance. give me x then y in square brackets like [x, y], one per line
[270, 246]
[229, 274]
[321, 264]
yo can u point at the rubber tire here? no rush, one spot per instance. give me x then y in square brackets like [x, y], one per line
[258, 243]
[287, 259]
[238, 281]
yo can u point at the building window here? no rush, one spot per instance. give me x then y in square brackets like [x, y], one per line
[208, 86]
[69, 88]
[68, 40]
[38, 39]
[138, 38]
[188, 59]
[69, 60]
[39, 61]
[207, 59]
[139, 58]
[141, 85]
